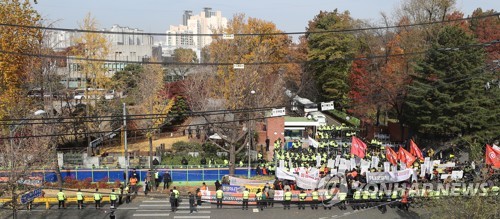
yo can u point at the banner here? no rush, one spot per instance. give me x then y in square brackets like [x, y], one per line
[337, 161]
[313, 142]
[353, 163]
[282, 174]
[446, 165]
[282, 164]
[235, 181]
[306, 183]
[387, 166]
[331, 164]
[378, 177]
[232, 189]
[375, 161]
[365, 165]
[318, 161]
[389, 177]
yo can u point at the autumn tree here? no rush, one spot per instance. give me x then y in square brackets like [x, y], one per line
[182, 55]
[90, 47]
[224, 88]
[487, 30]
[329, 53]
[149, 101]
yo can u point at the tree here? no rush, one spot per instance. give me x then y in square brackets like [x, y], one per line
[487, 30]
[225, 88]
[182, 55]
[447, 99]
[93, 46]
[127, 79]
[327, 53]
[16, 69]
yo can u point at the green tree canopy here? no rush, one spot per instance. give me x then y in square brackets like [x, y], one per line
[328, 50]
[448, 98]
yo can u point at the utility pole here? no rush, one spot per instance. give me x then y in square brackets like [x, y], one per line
[250, 129]
[125, 142]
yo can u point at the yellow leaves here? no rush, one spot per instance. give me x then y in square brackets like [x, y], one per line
[15, 69]
[92, 46]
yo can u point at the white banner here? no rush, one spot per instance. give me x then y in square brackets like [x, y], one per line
[375, 161]
[353, 163]
[402, 175]
[422, 170]
[318, 161]
[446, 165]
[282, 174]
[306, 183]
[365, 165]
[331, 164]
[313, 142]
[337, 161]
[282, 164]
[428, 165]
[387, 167]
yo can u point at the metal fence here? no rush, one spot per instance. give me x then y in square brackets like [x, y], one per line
[177, 173]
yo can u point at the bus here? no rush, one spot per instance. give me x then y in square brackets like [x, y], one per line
[304, 105]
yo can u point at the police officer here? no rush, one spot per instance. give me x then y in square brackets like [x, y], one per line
[302, 199]
[259, 199]
[171, 198]
[176, 196]
[315, 199]
[61, 197]
[288, 199]
[157, 179]
[112, 198]
[120, 196]
[79, 199]
[246, 194]
[219, 195]
[97, 199]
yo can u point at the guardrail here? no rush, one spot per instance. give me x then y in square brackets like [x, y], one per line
[48, 201]
[177, 174]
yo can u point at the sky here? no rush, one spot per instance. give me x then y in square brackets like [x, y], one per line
[158, 15]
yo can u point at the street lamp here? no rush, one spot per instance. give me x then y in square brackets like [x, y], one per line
[251, 133]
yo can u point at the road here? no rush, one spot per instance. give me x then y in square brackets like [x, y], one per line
[160, 208]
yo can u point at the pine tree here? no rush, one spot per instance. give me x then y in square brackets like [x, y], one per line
[448, 98]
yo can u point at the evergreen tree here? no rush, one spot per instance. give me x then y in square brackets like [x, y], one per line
[448, 98]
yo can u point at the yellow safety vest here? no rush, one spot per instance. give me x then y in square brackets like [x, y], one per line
[219, 193]
[176, 193]
[302, 196]
[258, 195]
[245, 194]
[112, 196]
[79, 196]
[288, 196]
[97, 196]
[342, 196]
[61, 196]
[315, 195]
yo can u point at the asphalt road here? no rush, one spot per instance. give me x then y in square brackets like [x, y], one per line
[160, 208]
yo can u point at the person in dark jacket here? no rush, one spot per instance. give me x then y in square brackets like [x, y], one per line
[166, 180]
[192, 203]
[217, 185]
[172, 200]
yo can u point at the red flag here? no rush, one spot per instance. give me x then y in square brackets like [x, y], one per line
[406, 157]
[391, 155]
[492, 156]
[414, 150]
[358, 147]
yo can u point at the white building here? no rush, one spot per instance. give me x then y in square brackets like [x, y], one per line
[203, 23]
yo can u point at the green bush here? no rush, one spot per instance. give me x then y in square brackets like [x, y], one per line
[184, 147]
[176, 159]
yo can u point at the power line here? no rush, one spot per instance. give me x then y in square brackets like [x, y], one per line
[249, 34]
[142, 129]
[486, 44]
[141, 117]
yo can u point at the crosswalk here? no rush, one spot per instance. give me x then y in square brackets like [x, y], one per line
[161, 208]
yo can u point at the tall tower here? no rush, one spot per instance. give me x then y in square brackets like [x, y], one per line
[185, 17]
